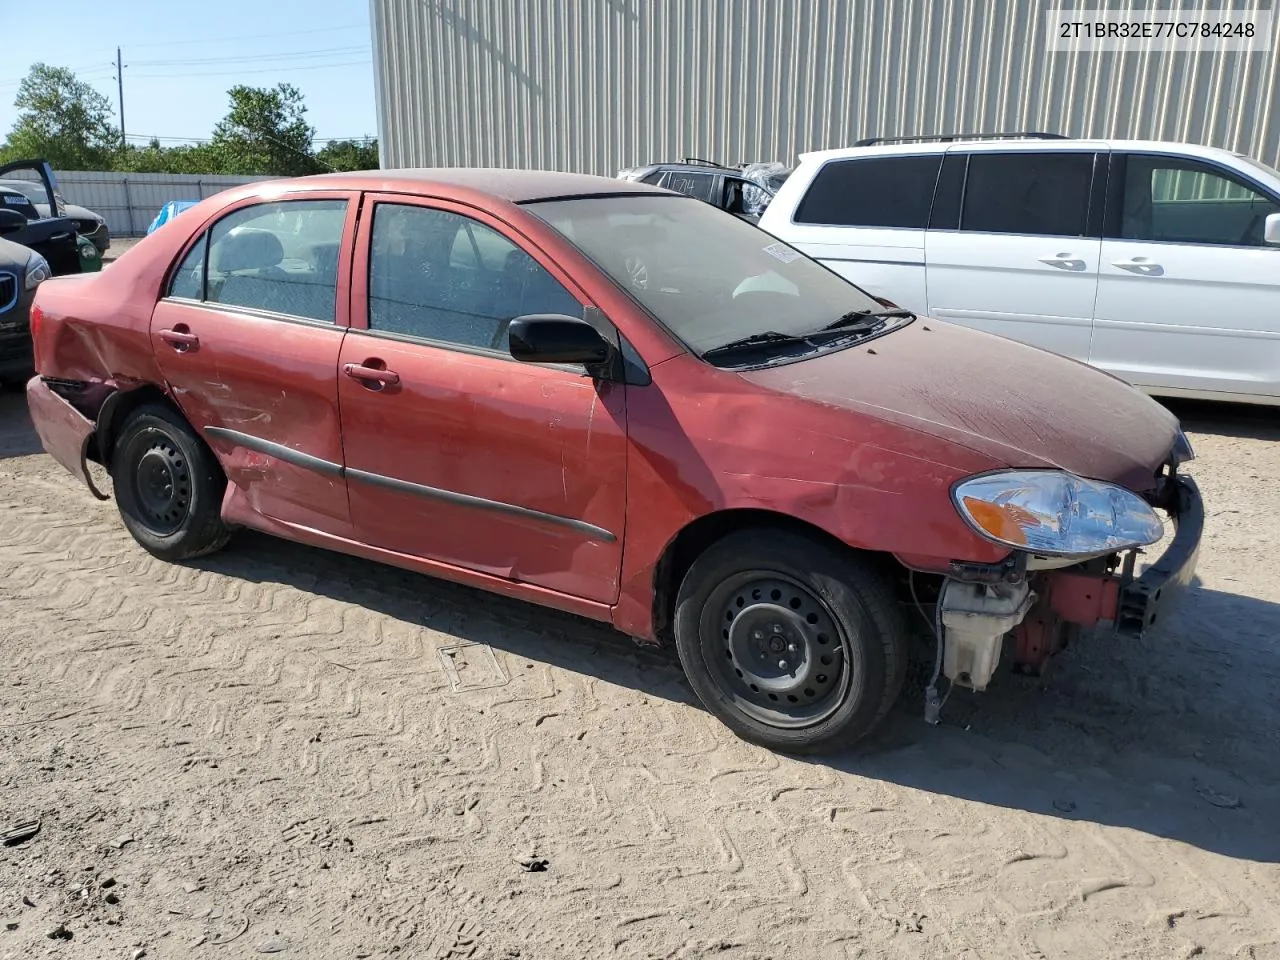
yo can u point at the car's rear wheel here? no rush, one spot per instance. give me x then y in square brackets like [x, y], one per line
[793, 644]
[168, 485]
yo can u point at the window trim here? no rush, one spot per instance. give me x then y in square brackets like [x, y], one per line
[1115, 198]
[1093, 226]
[342, 286]
[359, 315]
[808, 187]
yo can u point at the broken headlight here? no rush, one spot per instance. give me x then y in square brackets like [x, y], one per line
[1054, 513]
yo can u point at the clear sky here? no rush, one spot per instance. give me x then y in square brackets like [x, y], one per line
[181, 56]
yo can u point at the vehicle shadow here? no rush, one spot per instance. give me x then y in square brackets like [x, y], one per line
[1247, 422]
[17, 436]
[1167, 735]
[1174, 735]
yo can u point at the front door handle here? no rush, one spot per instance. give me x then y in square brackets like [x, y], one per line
[180, 338]
[367, 375]
[1140, 265]
[1064, 261]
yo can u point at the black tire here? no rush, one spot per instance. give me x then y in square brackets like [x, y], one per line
[828, 608]
[168, 486]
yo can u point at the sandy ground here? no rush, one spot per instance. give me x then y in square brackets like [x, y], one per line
[278, 750]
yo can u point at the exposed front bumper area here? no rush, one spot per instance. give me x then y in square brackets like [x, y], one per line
[1044, 610]
[1143, 602]
[65, 433]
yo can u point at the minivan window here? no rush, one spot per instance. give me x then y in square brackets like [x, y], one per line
[1172, 200]
[1041, 194]
[872, 192]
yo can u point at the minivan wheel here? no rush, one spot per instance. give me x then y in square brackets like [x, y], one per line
[793, 644]
[168, 486]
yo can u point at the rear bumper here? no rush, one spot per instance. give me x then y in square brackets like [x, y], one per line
[65, 433]
[1145, 600]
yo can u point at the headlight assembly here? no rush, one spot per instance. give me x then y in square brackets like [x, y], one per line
[1054, 513]
[37, 272]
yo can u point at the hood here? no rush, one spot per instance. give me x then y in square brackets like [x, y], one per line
[14, 256]
[1018, 405]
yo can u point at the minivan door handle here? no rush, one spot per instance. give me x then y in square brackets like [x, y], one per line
[1064, 261]
[1140, 265]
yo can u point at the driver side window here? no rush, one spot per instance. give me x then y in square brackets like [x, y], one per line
[1170, 200]
[440, 276]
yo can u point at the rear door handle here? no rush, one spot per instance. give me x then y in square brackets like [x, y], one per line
[180, 338]
[1064, 261]
[1140, 265]
[378, 375]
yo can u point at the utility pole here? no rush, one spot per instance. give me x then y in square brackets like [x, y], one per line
[120, 89]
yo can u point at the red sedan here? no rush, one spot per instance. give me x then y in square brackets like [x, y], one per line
[615, 400]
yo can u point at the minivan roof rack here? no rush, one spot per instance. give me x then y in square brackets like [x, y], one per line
[949, 137]
[705, 163]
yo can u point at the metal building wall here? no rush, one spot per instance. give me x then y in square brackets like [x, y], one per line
[597, 85]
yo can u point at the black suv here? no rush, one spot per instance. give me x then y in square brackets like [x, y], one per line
[744, 190]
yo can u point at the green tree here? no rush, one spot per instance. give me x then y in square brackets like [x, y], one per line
[265, 132]
[344, 155]
[63, 120]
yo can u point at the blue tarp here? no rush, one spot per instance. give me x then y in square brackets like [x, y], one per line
[168, 212]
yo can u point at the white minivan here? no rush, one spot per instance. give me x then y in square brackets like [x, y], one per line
[1158, 262]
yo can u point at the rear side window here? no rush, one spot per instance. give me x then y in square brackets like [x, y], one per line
[875, 192]
[188, 279]
[1044, 194]
[279, 257]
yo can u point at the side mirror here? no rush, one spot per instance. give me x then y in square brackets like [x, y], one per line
[11, 221]
[556, 338]
[1271, 231]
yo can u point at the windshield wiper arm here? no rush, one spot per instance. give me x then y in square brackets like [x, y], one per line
[858, 317]
[756, 339]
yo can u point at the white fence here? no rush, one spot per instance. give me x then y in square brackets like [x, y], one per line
[130, 201]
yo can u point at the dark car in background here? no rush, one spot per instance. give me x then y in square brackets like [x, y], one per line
[90, 225]
[21, 271]
[33, 247]
[744, 190]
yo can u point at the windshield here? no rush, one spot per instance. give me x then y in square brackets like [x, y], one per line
[707, 276]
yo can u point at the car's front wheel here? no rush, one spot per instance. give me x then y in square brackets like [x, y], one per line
[168, 485]
[794, 644]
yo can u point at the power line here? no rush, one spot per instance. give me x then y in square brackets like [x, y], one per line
[256, 36]
[285, 68]
[255, 57]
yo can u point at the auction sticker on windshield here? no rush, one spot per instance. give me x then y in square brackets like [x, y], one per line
[780, 251]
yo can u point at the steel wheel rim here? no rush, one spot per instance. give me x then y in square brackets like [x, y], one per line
[162, 487]
[776, 650]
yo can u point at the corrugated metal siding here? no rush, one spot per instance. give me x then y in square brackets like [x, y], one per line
[130, 201]
[597, 85]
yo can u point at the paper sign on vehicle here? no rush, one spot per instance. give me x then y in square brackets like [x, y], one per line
[780, 251]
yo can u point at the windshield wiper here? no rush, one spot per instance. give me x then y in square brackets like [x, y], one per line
[857, 318]
[756, 339]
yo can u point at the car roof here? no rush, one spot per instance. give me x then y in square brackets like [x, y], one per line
[1015, 145]
[517, 186]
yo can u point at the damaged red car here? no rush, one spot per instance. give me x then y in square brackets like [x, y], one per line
[618, 401]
